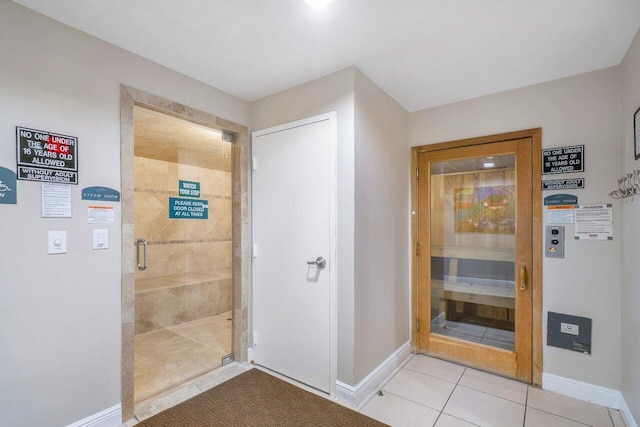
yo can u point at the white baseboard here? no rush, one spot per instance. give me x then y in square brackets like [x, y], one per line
[629, 421]
[110, 417]
[589, 393]
[354, 395]
[580, 390]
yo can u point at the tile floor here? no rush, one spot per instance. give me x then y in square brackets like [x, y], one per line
[166, 357]
[432, 392]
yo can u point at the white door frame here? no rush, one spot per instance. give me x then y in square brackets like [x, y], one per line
[333, 277]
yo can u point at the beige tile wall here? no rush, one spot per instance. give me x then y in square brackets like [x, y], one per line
[178, 248]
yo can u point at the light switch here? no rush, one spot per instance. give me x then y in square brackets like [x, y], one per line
[101, 238]
[57, 242]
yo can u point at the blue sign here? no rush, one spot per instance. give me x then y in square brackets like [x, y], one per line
[561, 199]
[188, 189]
[8, 188]
[101, 193]
[180, 208]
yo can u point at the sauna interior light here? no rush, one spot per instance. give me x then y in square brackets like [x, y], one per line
[318, 4]
[488, 163]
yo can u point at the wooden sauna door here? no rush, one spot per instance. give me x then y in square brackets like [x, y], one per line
[475, 266]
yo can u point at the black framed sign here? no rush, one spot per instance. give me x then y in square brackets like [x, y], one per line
[563, 160]
[636, 133]
[46, 156]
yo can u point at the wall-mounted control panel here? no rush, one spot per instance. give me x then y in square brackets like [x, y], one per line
[554, 243]
[570, 332]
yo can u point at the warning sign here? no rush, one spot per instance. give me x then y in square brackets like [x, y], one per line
[563, 160]
[46, 156]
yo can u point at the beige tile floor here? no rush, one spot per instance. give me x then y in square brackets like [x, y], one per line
[167, 357]
[432, 392]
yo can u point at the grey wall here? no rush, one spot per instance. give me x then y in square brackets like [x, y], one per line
[330, 93]
[583, 109]
[60, 314]
[373, 198]
[381, 226]
[630, 238]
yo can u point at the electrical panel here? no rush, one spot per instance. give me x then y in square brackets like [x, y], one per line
[570, 332]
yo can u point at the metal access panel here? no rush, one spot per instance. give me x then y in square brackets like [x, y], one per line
[554, 243]
[570, 332]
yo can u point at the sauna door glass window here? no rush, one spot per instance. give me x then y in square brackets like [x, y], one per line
[473, 226]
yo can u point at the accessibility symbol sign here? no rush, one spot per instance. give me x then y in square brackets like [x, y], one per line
[8, 190]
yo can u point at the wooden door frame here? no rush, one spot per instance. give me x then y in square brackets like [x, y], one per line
[536, 238]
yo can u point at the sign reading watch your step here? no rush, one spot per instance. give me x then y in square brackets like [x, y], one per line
[46, 156]
[563, 160]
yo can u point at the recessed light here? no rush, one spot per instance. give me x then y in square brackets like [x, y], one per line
[488, 163]
[318, 4]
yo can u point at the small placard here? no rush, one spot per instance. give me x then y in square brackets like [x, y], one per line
[561, 199]
[560, 214]
[188, 189]
[8, 187]
[100, 193]
[46, 156]
[563, 160]
[188, 208]
[563, 184]
[100, 214]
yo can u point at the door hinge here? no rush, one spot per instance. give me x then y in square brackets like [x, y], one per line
[417, 249]
[417, 173]
[417, 325]
[228, 137]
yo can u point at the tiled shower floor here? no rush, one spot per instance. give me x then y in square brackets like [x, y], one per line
[170, 356]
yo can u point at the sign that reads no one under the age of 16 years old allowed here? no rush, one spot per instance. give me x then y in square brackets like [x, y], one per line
[563, 160]
[46, 156]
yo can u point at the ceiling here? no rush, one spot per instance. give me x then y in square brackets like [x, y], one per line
[423, 53]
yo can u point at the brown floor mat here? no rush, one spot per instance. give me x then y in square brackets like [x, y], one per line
[256, 398]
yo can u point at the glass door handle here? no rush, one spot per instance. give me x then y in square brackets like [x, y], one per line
[320, 262]
[142, 242]
[523, 276]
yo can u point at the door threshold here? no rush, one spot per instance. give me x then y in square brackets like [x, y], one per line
[178, 394]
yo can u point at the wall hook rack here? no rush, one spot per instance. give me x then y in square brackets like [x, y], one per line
[628, 186]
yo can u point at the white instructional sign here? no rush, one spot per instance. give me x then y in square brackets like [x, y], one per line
[594, 222]
[56, 200]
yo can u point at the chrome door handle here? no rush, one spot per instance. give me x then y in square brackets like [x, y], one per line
[142, 266]
[320, 262]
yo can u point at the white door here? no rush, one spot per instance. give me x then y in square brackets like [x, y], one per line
[293, 224]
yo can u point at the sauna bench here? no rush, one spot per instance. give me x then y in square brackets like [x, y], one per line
[497, 296]
[468, 252]
[152, 284]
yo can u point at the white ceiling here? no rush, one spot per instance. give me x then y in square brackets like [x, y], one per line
[423, 53]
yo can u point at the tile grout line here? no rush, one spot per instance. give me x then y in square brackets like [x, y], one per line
[551, 413]
[526, 405]
[385, 382]
[449, 398]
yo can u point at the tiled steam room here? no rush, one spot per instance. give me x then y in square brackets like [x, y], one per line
[183, 299]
